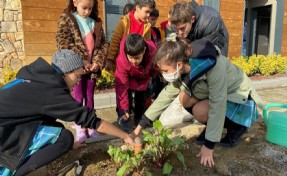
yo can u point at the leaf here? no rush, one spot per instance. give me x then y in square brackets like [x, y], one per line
[158, 126]
[167, 168]
[148, 174]
[181, 158]
[177, 141]
[123, 169]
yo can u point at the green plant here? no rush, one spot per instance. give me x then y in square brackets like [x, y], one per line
[7, 75]
[160, 146]
[125, 159]
[260, 64]
[105, 81]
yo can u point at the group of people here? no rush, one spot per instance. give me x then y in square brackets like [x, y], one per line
[188, 51]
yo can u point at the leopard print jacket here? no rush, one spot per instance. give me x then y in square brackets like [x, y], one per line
[68, 36]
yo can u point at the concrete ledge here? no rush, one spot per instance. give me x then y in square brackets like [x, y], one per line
[108, 100]
[270, 83]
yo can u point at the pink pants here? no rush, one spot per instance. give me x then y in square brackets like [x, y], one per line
[83, 93]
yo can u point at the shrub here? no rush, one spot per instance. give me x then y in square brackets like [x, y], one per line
[265, 65]
[7, 75]
[106, 80]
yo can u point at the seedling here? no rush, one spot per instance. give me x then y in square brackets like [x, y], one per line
[160, 146]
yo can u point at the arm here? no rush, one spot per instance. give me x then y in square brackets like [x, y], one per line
[115, 43]
[100, 52]
[122, 86]
[65, 36]
[217, 83]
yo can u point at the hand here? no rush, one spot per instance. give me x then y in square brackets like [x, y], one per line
[79, 144]
[94, 67]
[87, 66]
[205, 155]
[126, 116]
[128, 139]
[110, 66]
[137, 131]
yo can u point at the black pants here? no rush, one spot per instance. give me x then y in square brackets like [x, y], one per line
[47, 154]
[137, 100]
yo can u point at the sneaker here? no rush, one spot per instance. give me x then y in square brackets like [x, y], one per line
[233, 137]
[200, 139]
[81, 133]
[93, 133]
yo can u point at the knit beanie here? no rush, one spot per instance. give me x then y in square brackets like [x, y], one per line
[65, 61]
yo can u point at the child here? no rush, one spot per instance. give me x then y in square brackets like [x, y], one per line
[165, 28]
[210, 87]
[155, 34]
[128, 7]
[133, 73]
[30, 105]
[134, 22]
[80, 30]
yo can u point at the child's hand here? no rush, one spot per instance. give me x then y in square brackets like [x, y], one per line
[79, 144]
[206, 156]
[137, 131]
[87, 66]
[126, 116]
[94, 67]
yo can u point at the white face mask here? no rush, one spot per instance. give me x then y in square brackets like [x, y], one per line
[170, 77]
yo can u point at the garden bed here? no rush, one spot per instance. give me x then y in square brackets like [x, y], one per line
[252, 156]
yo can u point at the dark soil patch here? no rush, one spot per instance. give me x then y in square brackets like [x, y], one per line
[252, 156]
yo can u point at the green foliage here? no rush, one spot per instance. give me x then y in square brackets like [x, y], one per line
[158, 146]
[106, 80]
[125, 159]
[7, 75]
[259, 64]
[161, 146]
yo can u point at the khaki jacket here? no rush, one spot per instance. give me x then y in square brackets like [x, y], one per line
[224, 82]
[122, 29]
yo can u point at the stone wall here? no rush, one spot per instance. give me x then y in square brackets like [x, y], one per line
[11, 41]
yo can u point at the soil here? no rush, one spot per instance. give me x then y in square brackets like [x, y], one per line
[252, 156]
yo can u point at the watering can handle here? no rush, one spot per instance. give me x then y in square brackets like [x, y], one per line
[271, 105]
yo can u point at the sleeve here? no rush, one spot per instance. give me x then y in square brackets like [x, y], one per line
[115, 40]
[100, 54]
[62, 106]
[122, 86]
[65, 36]
[166, 96]
[217, 83]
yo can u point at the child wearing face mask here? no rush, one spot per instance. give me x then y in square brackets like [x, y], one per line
[80, 30]
[217, 93]
[136, 21]
[134, 69]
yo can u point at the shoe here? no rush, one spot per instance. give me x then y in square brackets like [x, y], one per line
[93, 133]
[81, 133]
[200, 139]
[233, 137]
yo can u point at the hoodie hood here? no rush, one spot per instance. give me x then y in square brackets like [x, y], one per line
[40, 71]
[203, 48]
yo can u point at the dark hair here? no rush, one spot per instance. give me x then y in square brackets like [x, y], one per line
[128, 7]
[171, 52]
[154, 13]
[94, 14]
[134, 44]
[145, 3]
[181, 12]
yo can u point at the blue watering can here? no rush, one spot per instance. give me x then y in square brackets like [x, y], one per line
[276, 123]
